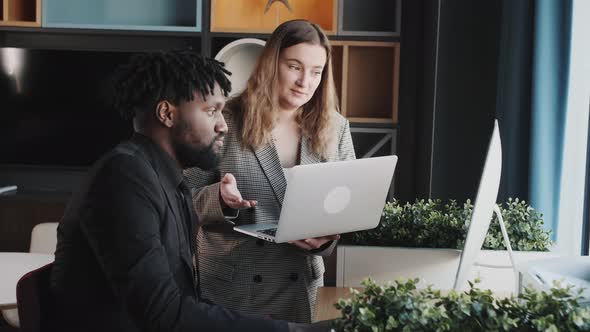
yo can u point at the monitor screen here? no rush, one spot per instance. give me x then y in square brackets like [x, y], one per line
[483, 208]
[56, 106]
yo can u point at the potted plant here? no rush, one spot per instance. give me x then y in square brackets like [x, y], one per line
[402, 307]
[424, 240]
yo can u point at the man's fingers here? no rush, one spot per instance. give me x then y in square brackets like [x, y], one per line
[241, 203]
[228, 178]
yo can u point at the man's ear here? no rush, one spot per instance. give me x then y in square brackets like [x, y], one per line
[165, 113]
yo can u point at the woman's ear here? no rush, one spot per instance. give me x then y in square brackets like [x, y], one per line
[165, 113]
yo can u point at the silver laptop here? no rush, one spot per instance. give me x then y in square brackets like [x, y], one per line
[329, 198]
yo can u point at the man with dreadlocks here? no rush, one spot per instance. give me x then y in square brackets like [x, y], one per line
[124, 254]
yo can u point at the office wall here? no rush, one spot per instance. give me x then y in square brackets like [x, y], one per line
[467, 49]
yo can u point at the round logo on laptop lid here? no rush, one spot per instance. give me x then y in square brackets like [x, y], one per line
[337, 200]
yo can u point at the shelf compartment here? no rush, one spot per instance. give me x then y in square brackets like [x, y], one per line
[24, 13]
[369, 141]
[369, 83]
[369, 18]
[157, 15]
[248, 15]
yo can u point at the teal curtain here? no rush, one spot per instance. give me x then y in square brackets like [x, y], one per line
[532, 99]
[550, 78]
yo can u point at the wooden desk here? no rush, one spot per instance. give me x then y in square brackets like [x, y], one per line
[327, 297]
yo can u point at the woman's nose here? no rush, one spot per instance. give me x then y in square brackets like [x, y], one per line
[302, 80]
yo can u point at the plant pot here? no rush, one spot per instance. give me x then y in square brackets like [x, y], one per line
[436, 267]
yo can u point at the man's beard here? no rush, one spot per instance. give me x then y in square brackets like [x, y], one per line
[189, 156]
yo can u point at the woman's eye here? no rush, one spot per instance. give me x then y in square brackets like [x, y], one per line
[317, 73]
[211, 112]
[293, 67]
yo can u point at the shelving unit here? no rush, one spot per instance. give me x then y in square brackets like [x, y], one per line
[375, 140]
[369, 18]
[249, 16]
[367, 78]
[157, 15]
[20, 13]
[364, 37]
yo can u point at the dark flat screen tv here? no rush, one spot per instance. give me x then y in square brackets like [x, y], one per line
[56, 107]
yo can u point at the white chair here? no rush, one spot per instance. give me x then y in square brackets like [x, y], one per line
[43, 241]
[44, 238]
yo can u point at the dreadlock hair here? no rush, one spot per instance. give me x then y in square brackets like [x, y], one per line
[174, 76]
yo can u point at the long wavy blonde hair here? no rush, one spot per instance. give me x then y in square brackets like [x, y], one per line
[259, 103]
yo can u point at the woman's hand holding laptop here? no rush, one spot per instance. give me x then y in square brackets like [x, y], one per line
[316, 242]
[231, 196]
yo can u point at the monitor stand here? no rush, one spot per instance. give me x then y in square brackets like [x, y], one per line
[508, 248]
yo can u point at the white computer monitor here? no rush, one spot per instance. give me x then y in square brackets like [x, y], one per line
[483, 207]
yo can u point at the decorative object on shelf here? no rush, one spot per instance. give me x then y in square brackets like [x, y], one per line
[257, 16]
[240, 57]
[270, 2]
[402, 307]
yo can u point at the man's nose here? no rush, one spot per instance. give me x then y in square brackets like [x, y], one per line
[221, 125]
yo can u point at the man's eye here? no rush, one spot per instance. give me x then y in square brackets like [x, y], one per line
[211, 112]
[293, 67]
[317, 73]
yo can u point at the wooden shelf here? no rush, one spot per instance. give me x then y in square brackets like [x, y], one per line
[369, 18]
[366, 76]
[248, 15]
[157, 15]
[20, 13]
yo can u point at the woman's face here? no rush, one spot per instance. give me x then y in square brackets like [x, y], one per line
[300, 74]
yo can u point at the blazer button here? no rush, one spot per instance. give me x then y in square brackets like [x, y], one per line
[257, 278]
[294, 276]
[260, 242]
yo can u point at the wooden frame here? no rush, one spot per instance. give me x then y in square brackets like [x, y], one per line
[361, 82]
[247, 16]
[21, 13]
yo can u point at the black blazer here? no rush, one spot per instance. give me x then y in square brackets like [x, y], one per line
[124, 261]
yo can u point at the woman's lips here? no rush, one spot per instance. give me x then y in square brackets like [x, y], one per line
[298, 93]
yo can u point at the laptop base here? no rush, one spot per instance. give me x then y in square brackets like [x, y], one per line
[263, 231]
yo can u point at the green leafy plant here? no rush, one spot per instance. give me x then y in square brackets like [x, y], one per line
[402, 307]
[434, 224]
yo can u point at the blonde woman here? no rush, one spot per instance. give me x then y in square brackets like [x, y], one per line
[287, 116]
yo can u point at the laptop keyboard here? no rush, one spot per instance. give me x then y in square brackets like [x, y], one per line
[269, 231]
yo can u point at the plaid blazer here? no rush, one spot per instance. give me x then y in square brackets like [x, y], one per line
[239, 271]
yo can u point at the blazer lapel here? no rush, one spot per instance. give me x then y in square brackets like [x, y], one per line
[268, 158]
[180, 226]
